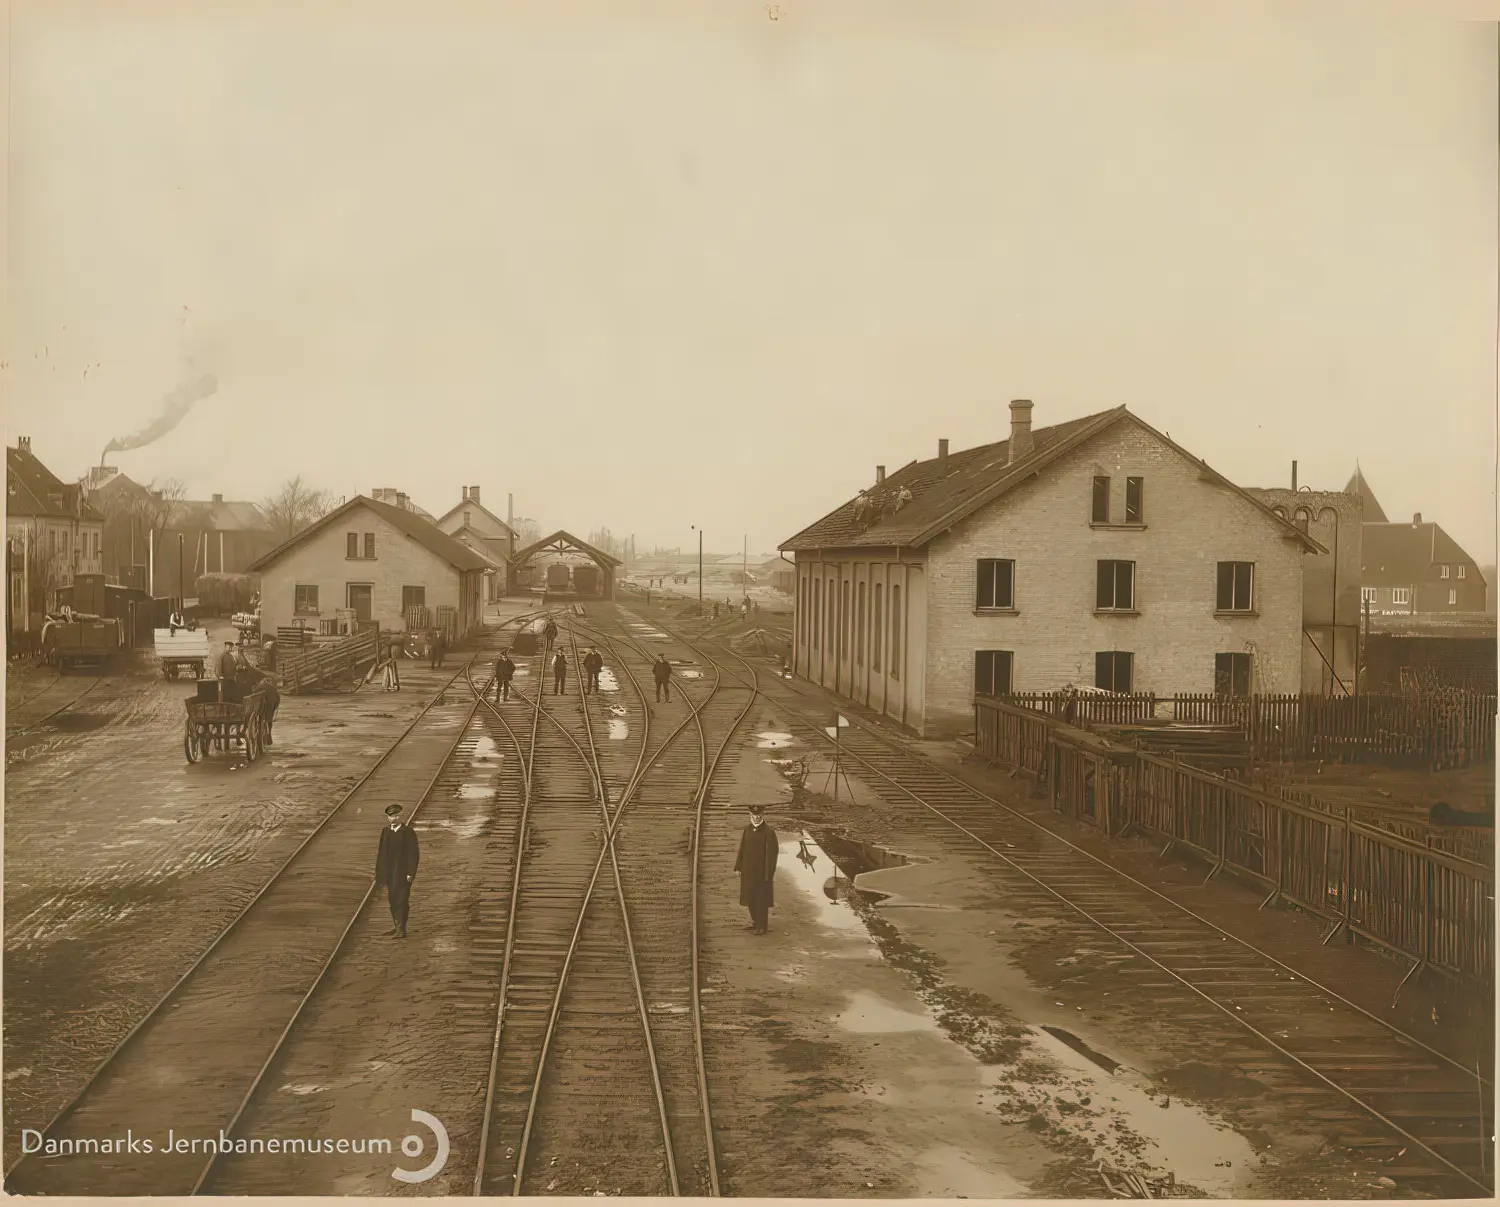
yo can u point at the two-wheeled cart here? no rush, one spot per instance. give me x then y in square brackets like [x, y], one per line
[223, 725]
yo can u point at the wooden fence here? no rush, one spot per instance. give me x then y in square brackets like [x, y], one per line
[328, 661]
[1437, 730]
[1394, 889]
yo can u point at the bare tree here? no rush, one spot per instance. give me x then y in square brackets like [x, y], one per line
[296, 506]
[527, 532]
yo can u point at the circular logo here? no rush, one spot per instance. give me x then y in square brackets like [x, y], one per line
[412, 1146]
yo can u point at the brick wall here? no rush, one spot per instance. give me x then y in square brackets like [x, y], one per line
[1190, 524]
[399, 561]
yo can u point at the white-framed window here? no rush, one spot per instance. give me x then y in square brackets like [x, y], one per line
[1401, 595]
[1442, 571]
[1461, 572]
[1367, 595]
[1452, 596]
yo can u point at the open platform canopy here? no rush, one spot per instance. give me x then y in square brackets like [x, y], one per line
[561, 578]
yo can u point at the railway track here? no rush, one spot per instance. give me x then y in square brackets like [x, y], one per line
[208, 1041]
[1394, 1096]
[59, 695]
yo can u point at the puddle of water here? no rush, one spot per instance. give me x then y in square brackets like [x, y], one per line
[805, 865]
[157, 821]
[475, 792]
[618, 709]
[607, 681]
[869, 1014]
[618, 729]
[772, 740]
[463, 827]
[953, 1175]
[303, 1089]
[1098, 1058]
[690, 674]
[22, 1072]
[485, 750]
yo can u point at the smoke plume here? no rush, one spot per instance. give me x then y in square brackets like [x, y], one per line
[174, 410]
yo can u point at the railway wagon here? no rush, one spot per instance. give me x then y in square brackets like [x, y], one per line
[82, 641]
[586, 580]
[558, 577]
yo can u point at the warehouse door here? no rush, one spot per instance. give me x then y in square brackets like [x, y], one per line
[360, 595]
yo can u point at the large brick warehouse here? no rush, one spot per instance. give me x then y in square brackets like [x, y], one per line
[1095, 553]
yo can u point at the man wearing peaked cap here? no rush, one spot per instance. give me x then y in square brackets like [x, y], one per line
[756, 864]
[396, 868]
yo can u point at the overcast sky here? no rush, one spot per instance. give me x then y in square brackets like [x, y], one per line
[652, 266]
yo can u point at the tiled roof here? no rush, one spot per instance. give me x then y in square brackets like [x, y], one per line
[34, 490]
[473, 505]
[973, 478]
[424, 532]
[1397, 555]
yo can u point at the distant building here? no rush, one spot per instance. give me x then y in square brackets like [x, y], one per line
[1414, 568]
[1330, 583]
[51, 533]
[778, 573]
[370, 561]
[399, 498]
[199, 536]
[481, 529]
[1095, 552]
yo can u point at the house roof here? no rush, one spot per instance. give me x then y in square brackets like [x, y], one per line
[31, 489]
[566, 538]
[1400, 554]
[1374, 513]
[225, 515]
[474, 505]
[465, 534]
[973, 478]
[424, 532]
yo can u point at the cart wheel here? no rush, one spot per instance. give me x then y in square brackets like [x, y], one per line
[252, 739]
[191, 746]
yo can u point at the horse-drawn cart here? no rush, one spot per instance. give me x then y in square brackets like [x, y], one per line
[214, 724]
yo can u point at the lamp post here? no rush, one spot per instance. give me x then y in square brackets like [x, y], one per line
[699, 531]
[181, 581]
[1333, 618]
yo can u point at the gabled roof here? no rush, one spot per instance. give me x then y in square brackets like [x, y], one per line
[1374, 513]
[465, 535]
[226, 515]
[1397, 555]
[942, 496]
[565, 538]
[31, 489]
[474, 505]
[424, 532]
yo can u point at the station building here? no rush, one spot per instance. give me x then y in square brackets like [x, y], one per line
[481, 529]
[1095, 552]
[370, 561]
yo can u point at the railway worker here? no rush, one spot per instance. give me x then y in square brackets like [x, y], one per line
[593, 663]
[756, 864]
[439, 648]
[550, 632]
[661, 671]
[716, 609]
[229, 667]
[396, 868]
[505, 671]
[559, 674]
[175, 622]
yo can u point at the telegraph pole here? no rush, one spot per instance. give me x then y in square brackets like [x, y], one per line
[181, 581]
[700, 568]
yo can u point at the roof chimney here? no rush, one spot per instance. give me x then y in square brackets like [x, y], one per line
[942, 454]
[218, 498]
[1417, 519]
[474, 494]
[879, 474]
[24, 444]
[465, 489]
[1020, 429]
[1294, 475]
[510, 510]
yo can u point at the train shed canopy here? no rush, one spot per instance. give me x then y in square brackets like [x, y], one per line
[565, 547]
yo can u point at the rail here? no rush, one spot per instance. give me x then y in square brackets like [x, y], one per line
[1431, 906]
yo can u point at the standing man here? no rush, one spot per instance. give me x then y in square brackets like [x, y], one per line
[228, 671]
[559, 673]
[593, 663]
[505, 671]
[756, 864]
[439, 647]
[661, 671]
[396, 868]
[550, 632]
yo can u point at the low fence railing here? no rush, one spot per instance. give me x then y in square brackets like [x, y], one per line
[1396, 890]
[1436, 729]
[317, 664]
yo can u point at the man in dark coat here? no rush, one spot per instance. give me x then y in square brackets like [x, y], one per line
[661, 671]
[559, 674]
[550, 632]
[756, 864]
[439, 648]
[505, 671]
[396, 868]
[593, 663]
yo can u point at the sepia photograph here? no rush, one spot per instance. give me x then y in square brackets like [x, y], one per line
[808, 600]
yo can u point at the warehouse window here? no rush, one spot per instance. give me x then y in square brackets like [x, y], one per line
[1115, 587]
[1452, 596]
[1367, 595]
[1135, 500]
[1101, 501]
[1442, 571]
[351, 544]
[1232, 675]
[859, 639]
[995, 582]
[413, 597]
[992, 672]
[844, 619]
[817, 611]
[1113, 670]
[1462, 572]
[895, 631]
[1401, 595]
[877, 633]
[1236, 580]
[306, 600]
[369, 544]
